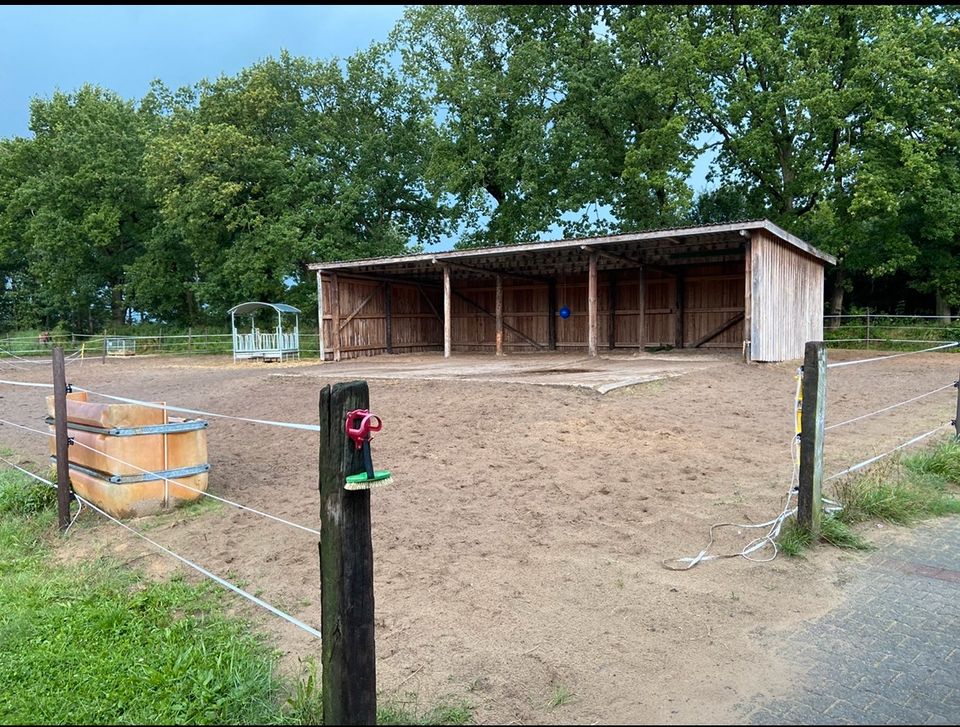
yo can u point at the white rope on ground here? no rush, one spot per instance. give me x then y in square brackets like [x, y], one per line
[888, 408]
[775, 525]
[866, 462]
[167, 407]
[168, 481]
[26, 383]
[894, 355]
[226, 584]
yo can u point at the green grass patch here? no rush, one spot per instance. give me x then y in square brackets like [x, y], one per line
[99, 643]
[794, 539]
[902, 492]
[917, 487]
[409, 710]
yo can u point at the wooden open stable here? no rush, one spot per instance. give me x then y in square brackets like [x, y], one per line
[749, 286]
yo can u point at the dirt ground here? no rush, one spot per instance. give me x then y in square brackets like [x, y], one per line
[518, 555]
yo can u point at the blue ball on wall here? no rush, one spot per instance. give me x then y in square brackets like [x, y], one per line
[564, 312]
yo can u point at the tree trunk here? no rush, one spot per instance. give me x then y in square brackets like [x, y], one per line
[836, 300]
[118, 311]
[943, 309]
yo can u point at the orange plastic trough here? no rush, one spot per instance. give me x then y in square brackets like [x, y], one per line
[142, 460]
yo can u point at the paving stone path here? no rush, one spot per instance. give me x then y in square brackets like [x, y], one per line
[891, 654]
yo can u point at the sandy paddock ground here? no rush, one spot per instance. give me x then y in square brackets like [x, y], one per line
[520, 550]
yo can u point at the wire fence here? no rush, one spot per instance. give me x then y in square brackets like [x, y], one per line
[167, 482]
[954, 384]
[178, 344]
[888, 331]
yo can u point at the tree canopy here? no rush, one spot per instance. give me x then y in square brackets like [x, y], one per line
[493, 125]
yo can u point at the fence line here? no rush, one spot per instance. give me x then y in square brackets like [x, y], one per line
[167, 407]
[168, 480]
[893, 355]
[814, 430]
[27, 383]
[864, 463]
[200, 569]
[888, 408]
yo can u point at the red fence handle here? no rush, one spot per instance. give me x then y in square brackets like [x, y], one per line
[368, 423]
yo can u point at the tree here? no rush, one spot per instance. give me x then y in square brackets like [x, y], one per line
[288, 162]
[82, 204]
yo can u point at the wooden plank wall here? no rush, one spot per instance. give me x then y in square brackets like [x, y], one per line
[416, 326]
[713, 294]
[787, 300]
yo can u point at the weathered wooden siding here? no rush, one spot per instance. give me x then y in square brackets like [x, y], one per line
[416, 325]
[786, 299]
[712, 294]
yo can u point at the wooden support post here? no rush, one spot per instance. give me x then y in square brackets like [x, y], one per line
[516, 331]
[642, 310]
[388, 310]
[103, 358]
[63, 442]
[552, 313]
[592, 306]
[809, 505]
[678, 326]
[447, 333]
[335, 312]
[499, 347]
[320, 342]
[346, 567]
[747, 301]
[612, 281]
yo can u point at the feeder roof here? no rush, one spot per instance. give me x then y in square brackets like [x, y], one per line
[252, 306]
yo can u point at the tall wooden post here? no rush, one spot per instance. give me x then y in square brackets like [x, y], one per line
[499, 315]
[346, 567]
[592, 306]
[335, 313]
[63, 442]
[447, 334]
[612, 281]
[748, 301]
[812, 417]
[642, 310]
[678, 327]
[552, 313]
[388, 310]
[320, 342]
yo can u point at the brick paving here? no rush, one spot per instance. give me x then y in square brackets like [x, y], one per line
[891, 653]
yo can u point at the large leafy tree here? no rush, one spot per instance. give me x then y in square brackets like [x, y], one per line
[548, 116]
[823, 113]
[78, 200]
[287, 162]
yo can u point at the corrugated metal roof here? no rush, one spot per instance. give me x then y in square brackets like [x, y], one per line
[619, 238]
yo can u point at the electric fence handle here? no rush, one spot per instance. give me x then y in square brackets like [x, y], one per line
[359, 427]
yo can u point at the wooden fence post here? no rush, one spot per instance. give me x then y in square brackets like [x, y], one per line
[592, 306]
[813, 414]
[346, 567]
[63, 443]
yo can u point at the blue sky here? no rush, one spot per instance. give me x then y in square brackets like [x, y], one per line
[124, 48]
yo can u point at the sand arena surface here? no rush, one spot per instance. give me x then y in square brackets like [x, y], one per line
[519, 550]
